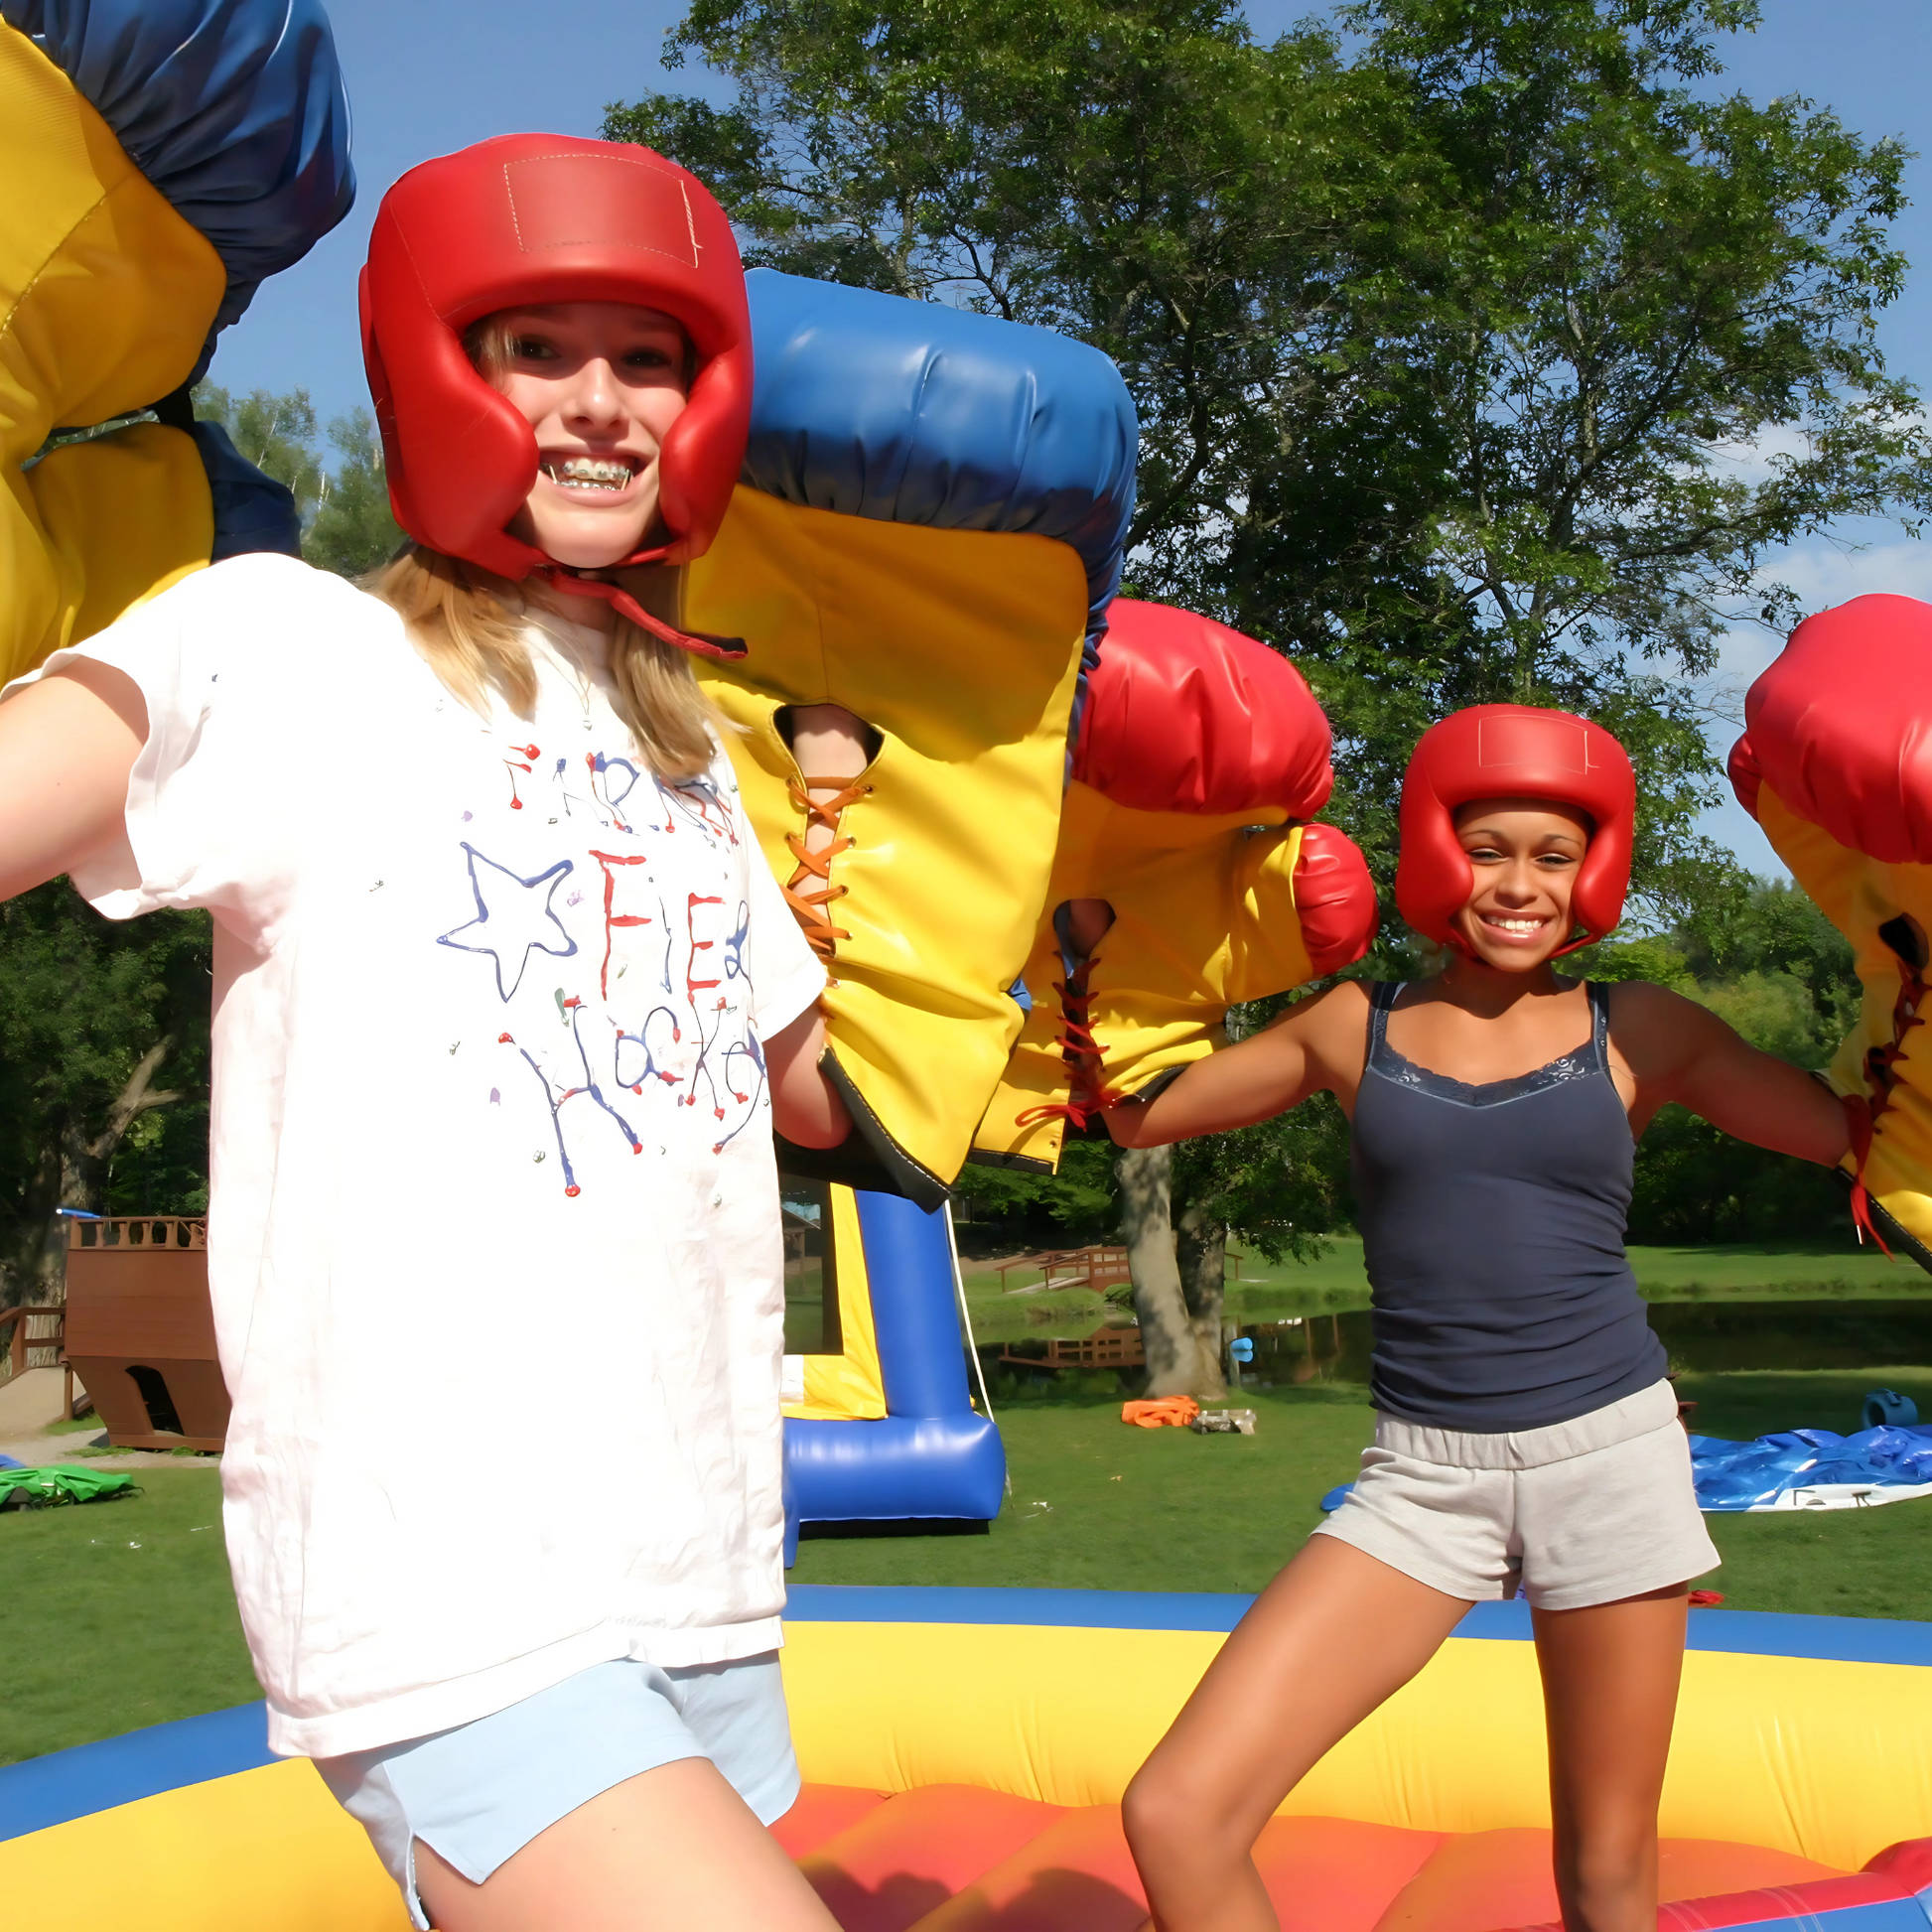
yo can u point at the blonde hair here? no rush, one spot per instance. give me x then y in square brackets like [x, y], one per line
[468, 625]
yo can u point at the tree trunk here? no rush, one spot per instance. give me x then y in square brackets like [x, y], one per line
[1173, 1364]
[1202, 1249]
[83, 1176]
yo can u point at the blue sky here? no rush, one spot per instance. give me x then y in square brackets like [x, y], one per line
[431, 75]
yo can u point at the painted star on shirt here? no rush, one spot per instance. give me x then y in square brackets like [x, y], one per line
[517, 923]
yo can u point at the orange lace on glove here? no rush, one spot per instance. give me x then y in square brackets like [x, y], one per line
[808, 908]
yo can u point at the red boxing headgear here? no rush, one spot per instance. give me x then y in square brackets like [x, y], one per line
[530, 218]
[1513, 750]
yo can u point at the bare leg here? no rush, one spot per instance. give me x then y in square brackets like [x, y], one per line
[1329, 1639]
[1609, 1695]
[675, 1846]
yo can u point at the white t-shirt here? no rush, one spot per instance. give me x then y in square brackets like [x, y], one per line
[493, 1237]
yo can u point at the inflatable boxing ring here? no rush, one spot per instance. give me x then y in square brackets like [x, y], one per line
[965, 1752]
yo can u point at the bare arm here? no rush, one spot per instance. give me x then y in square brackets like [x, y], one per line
[1304, 1051]
[66, 746]
[1680, 1051]
[804, 1107]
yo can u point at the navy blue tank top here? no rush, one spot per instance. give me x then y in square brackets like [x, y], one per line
[1492, 1224]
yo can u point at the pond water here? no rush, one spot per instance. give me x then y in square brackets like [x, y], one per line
[1702, 1338]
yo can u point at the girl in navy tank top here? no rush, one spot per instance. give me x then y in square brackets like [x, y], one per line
[1525, 1435]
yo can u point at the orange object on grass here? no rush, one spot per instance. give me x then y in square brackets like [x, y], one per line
[1163, 1412]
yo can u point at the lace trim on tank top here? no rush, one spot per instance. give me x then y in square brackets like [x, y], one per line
[1582, 1063]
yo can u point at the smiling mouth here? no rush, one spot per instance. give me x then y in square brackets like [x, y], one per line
[605, 476]
[1511, 926]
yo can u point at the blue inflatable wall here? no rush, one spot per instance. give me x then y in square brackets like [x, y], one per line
[932, 1455]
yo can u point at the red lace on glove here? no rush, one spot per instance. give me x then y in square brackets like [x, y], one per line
[1858, 1118]
[1090, 1095]
[1861, 1116]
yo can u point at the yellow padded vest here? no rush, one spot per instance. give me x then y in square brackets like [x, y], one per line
[1205, 917]
[1859, 895]
[961, 648]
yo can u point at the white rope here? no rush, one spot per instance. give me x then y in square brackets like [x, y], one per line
[966, 1322]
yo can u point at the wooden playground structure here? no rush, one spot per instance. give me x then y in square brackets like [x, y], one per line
[139, 1330]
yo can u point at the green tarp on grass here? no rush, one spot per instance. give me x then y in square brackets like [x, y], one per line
[61, 1484]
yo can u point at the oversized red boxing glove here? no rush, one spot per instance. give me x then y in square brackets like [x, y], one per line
[1835, 764]
[1185, 715]
[1840, 728]
[1200, 751]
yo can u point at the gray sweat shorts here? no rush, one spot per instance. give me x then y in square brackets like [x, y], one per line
[1577, 1513]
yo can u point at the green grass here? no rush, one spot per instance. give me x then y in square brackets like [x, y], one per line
[1098, 1505]
[1225, 1512]
[1746, 1271]
[108, 1637]
[119, 1614]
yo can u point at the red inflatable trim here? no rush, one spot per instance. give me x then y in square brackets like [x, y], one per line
[1185, 715]
[1907, 1864]
[1837, 727]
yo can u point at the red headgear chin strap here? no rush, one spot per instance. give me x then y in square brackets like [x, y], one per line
[529, 218]
[1513, 750]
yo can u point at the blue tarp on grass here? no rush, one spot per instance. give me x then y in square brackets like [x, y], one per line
[1813, 1468]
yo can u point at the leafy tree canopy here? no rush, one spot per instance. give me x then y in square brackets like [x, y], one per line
[346, 526]
[103, 1071]
[1476, 359]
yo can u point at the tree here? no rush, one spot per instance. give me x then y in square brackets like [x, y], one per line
[347, 525]
[353, 531]
[103, 1072]
[1475, 361]
[1781, 974]
[1277, 1187]
[277, 434]
[1639, 295]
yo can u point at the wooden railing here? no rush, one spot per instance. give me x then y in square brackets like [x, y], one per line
[1098, 1269]
[38, 1331]
[140, 1231]
[1104, 1348]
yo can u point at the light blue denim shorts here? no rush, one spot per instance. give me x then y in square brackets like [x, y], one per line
[480, 1793]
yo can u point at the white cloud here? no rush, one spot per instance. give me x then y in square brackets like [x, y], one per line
[1754, 462]
[1824, 575]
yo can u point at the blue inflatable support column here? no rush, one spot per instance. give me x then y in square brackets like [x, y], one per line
[931, 1456]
